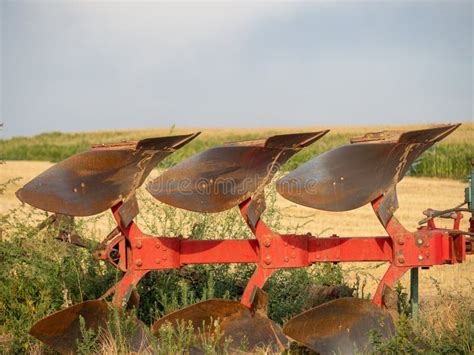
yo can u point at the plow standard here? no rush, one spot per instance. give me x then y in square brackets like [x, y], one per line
[365, 171]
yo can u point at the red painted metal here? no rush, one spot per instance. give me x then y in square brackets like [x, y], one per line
[139, 253]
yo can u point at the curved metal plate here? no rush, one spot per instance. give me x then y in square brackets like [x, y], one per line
[222, 177]
[341, 326]
[235, 320]
[61, 330]
[351, 176]
[93, 181]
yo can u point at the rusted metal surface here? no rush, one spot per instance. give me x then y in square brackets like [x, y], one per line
[222, 177]
[353, 175]
[61, 330]
[341, 326]
[234, 319]
[93, 181]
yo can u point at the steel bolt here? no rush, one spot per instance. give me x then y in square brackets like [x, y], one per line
[401, 241]
[401, 259]
[419, 241]
[420, 257]
[139, 244]
[164, 258]
[268, 260]
[286, 259]
[158, 261]
[157, 245]
[267, 242]
[138, 263]
[293, 255]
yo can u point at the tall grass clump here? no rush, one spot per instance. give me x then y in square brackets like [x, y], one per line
[40, 275]
[446, 161]
[444, 325]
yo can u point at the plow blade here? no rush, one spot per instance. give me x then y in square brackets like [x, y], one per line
[220, 178]
[341, 326]
[93, 181]
[253, 329]
[62, 331]
[353, 175]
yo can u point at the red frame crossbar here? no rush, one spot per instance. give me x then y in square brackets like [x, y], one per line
[140, 253]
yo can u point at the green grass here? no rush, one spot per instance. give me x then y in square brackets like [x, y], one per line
[448, 159]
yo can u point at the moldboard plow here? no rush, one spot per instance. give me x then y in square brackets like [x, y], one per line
[217, 179]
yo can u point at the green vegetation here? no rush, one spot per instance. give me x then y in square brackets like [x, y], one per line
[447, 327]
[448, 159]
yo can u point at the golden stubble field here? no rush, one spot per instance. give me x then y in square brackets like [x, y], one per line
[415, 195]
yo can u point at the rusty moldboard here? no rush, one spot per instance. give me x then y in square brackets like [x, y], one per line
[93, 181]
[351, 176]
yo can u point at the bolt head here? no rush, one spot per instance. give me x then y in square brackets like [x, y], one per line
[420, 257]
[419, 241]
[401, 259]
[401, 241]
[268, 260]
[139, 244]
[138, 263]
[267, 242]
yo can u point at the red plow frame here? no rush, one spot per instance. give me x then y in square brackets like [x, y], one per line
[403, 250]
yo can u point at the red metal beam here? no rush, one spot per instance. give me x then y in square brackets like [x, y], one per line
[270, 251]
[350, 249]
[218, 251]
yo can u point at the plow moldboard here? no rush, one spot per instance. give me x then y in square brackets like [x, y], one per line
[341, 326]
[62, 331]
[235, 320]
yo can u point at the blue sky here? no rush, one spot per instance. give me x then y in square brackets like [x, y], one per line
[79, 66]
